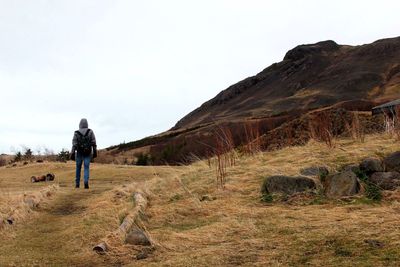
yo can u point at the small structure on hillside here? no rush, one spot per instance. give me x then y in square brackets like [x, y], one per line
[391, 113]
[389, 109]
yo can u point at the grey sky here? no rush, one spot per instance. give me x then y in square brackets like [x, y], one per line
[134, 68]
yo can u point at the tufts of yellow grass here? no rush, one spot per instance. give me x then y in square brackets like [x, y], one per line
[238, 229]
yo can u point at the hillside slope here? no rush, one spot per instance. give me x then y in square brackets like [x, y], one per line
[310, 76]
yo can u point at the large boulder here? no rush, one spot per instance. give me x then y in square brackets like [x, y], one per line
[287, 184]
[314, 171]
[341, 184]
[386, 180]
[137, 237]
[371, 165]
[392, 162]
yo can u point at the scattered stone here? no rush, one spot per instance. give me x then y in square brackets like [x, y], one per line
[43, 178]
[392, 162]
[137, 237]
[207, 198]
[314, 171]
[374, 243]
[50, 177]
[386, 180]
[10, 220]
[371, 165]
[144, 253]
[341, 184]
[287, 184]
[351, 167]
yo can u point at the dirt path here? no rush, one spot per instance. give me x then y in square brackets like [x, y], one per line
[55, 235]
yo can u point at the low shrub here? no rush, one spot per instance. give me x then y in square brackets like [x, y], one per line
[372, 191]
[63, 156]
[143, 159]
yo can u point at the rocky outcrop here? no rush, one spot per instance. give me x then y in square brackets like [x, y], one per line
[371, 165]
[392, 162]
[341, 184]
[351, 167]
[386, 180]
[314, 171]
[287, 184]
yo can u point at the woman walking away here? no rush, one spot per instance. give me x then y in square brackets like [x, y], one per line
[84, 144]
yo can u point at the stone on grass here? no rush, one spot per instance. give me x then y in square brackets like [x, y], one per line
[371, 165]
[386, 180]
[144, 253]
[314, 171]
[341, 184]
[392, 162]
[351, 167]
[137, 237]
[207, 198]
[287, 184]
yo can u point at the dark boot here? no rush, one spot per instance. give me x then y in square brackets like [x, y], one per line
[86, 185]
[77, 186]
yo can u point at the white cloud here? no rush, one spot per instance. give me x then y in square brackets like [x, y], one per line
[134, 68]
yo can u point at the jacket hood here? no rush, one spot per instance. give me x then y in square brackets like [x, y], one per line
[83, 126]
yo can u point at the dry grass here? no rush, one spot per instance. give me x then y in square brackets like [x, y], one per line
[238, 229]
[63, 230]
[231, 227]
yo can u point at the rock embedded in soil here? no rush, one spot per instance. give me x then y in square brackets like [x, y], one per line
[386, 180]
[314, 171]
[207, 198]
[341, 184]
[287, 184]
[371, 165]
[10, 220]
[351, 167]
[392, 162]
[137, 237]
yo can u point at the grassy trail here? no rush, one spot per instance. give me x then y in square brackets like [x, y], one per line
[65, 227]
[55, 236]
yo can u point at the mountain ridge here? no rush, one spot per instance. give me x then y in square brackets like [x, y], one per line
[304, 71]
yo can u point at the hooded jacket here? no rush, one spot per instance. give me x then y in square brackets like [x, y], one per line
[83, 128]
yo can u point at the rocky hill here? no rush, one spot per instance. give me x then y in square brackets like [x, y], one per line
[309, 77]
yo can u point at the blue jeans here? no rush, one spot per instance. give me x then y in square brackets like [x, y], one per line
[86, 163]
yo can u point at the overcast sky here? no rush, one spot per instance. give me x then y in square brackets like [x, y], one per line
[134, 68]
